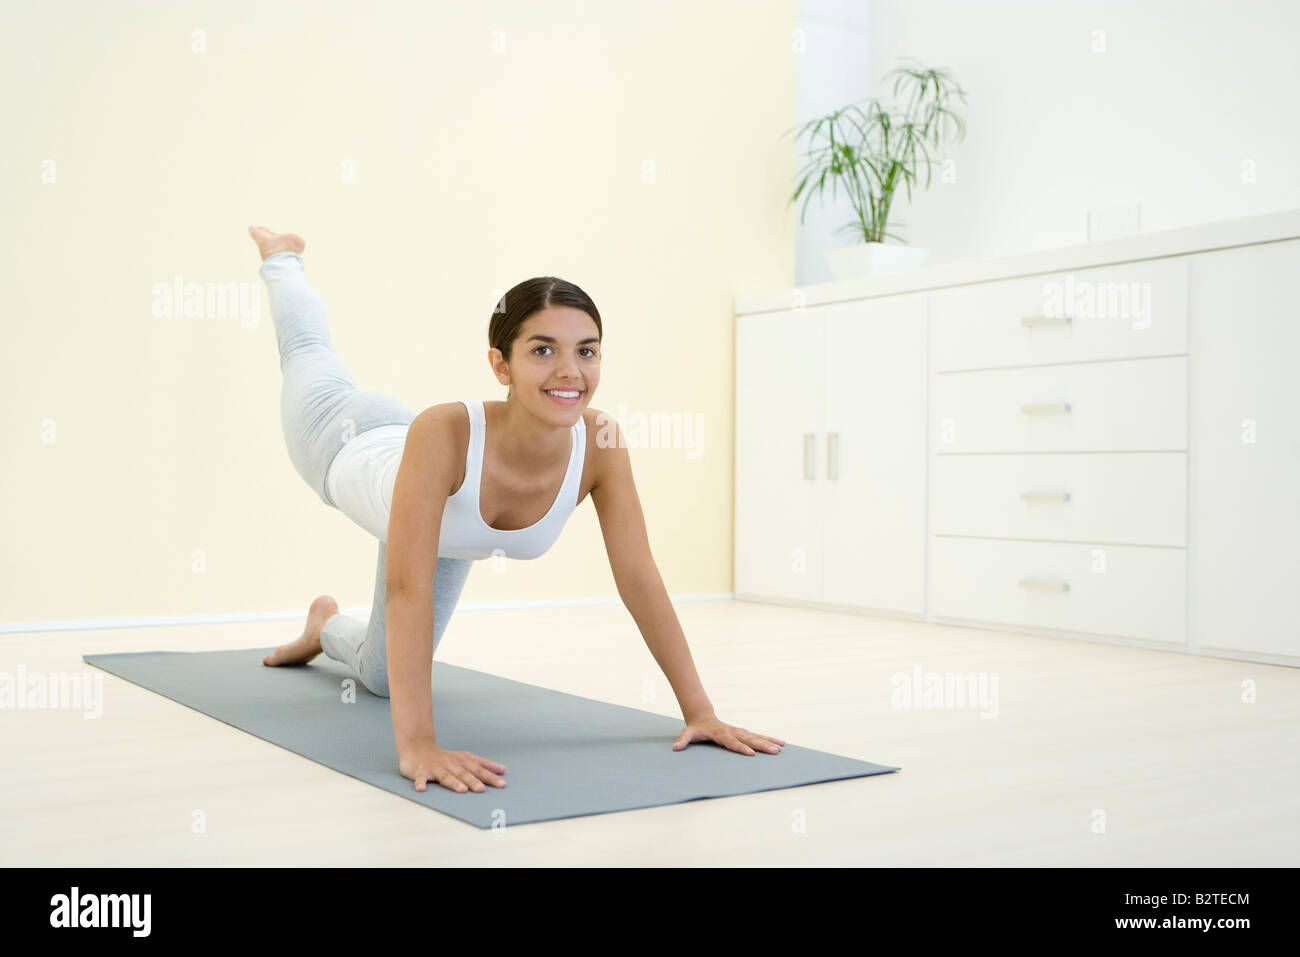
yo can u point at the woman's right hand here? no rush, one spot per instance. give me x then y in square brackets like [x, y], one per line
[454, 770]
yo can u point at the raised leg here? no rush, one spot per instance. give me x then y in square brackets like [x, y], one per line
[321, 408]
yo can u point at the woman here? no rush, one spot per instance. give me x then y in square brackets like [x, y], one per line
[459, 482]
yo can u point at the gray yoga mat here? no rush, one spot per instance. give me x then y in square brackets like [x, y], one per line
[565, 755]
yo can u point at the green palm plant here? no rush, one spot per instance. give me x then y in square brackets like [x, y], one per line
[878, 148]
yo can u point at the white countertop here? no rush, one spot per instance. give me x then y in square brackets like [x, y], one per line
[1224, 234]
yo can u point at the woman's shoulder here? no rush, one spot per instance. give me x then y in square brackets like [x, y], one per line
[441, 426]
[439, 437]
[447, 413]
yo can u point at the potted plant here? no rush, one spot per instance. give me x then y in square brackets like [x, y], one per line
[874, 150]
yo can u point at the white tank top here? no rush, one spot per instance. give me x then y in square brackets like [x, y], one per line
[361, 479]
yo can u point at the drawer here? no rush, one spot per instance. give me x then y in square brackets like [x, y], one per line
[1119, 311]
[1122, 590]
[1126, 498]
[1137, 405]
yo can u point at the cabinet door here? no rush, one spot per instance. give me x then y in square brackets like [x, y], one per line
[874, 554]
[779, 400]
[1244, 452]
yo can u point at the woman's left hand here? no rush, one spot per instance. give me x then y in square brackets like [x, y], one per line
[710, 728]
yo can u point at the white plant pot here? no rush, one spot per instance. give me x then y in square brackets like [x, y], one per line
[873, 259]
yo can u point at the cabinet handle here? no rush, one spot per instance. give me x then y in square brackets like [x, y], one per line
[832, 455]
[1044, 496]
[1044, 586]
[808, 454]
[1046, 407]
[1045, 321]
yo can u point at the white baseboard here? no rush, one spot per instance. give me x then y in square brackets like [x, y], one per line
[359, 611]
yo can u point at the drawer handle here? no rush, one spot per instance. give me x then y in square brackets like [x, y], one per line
[808, 454]
[1046, 407]
[1044, 586]
[1044, 496]
[1045, 321]
[832, 455]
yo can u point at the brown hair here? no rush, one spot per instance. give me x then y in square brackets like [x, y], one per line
[531, 296]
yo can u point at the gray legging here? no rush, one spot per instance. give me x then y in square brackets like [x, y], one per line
[320, 409]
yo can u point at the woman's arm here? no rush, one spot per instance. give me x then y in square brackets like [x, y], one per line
[637, 577]
[420, 494]
[643, 592]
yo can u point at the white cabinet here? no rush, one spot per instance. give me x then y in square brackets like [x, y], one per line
[1245, 449]
[1080, 407]
[1133, 499]
[1044, 472]
[1100, 442]
[830, 455]
[1082, 587]
[1106, 312]
[873, 553]
[780, 402]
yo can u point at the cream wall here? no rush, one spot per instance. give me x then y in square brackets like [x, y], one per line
[632, 149]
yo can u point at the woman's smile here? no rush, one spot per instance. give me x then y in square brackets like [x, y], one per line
[566, 397]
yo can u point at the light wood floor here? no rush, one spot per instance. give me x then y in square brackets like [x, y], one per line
[1098, 755]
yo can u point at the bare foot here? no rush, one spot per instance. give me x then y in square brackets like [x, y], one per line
[269, 242]
[307, 645]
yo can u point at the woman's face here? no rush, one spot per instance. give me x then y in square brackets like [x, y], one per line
[556, 350]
